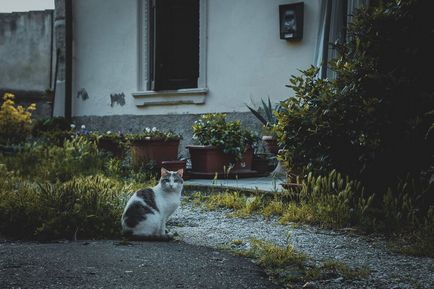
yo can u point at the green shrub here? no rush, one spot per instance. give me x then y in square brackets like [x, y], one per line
[52, 130]
[15, 121]
[370, 122]
[77, 156]
[83, 207]
[50, 124]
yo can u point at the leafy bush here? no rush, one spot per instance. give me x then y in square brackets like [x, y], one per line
[51, 124]
[52, 130]
[83, 207]
[15, 121]
[371, 122]
[229, 137]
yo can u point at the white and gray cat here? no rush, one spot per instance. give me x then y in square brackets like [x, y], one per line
[147, 211]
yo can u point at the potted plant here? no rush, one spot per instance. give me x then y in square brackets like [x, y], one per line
[176, 165]
[268, 121]
[261, 163]
[110, 142]
[153, 145]
[224, 148]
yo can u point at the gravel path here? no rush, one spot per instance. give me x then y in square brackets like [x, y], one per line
[388, 270]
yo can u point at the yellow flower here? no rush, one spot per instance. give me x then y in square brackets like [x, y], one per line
[15, 121]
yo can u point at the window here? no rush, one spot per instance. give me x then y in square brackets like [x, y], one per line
[174, 45]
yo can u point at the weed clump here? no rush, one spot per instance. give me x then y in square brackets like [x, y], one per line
[288, 266]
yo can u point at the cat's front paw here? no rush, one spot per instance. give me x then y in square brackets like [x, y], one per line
[171, 235]
[170, 232]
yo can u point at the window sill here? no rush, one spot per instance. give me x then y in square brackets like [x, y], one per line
[170, 97]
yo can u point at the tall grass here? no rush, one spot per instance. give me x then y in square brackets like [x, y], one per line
[83, 207]
[64, 192]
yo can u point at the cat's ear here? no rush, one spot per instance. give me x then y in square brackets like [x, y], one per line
[180, 172]
[164, 172]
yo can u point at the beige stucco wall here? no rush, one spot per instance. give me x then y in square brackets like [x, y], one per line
[246, 60]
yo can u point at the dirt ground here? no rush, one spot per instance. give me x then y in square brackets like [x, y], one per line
[111, 264]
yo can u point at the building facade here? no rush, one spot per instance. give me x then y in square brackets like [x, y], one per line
[127, 65]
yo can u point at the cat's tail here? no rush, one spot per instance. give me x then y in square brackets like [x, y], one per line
[165, 238]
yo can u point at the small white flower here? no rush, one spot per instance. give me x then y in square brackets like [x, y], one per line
[194, 136]
[147, 138]
[109, 132]
[154, 129]
[72, 125]
[147, 129]
[83, 126]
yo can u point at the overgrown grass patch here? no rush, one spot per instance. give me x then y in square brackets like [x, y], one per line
[65, 191]
[289, 267]
[45, 162]
[337, 267]
[76, 156]
[241, 204]
[83, 207]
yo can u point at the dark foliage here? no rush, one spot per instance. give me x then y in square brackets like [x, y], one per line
[372, 121]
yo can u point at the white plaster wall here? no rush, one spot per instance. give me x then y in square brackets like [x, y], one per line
[104, 55]
[246, 60]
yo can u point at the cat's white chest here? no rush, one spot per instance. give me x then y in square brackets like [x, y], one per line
[168, 204]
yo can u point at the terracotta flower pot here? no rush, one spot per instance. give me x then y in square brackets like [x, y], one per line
[209, 159]
[271, 144]
[174, 166]
[261, 165]
[145, 151]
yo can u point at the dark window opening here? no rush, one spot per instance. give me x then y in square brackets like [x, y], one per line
[174, 44]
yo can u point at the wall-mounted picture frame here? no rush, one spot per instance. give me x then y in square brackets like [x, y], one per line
[291, 21]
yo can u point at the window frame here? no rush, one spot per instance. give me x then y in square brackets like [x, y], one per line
[145, 95]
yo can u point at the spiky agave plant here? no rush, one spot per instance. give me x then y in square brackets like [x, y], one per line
[269, 119]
